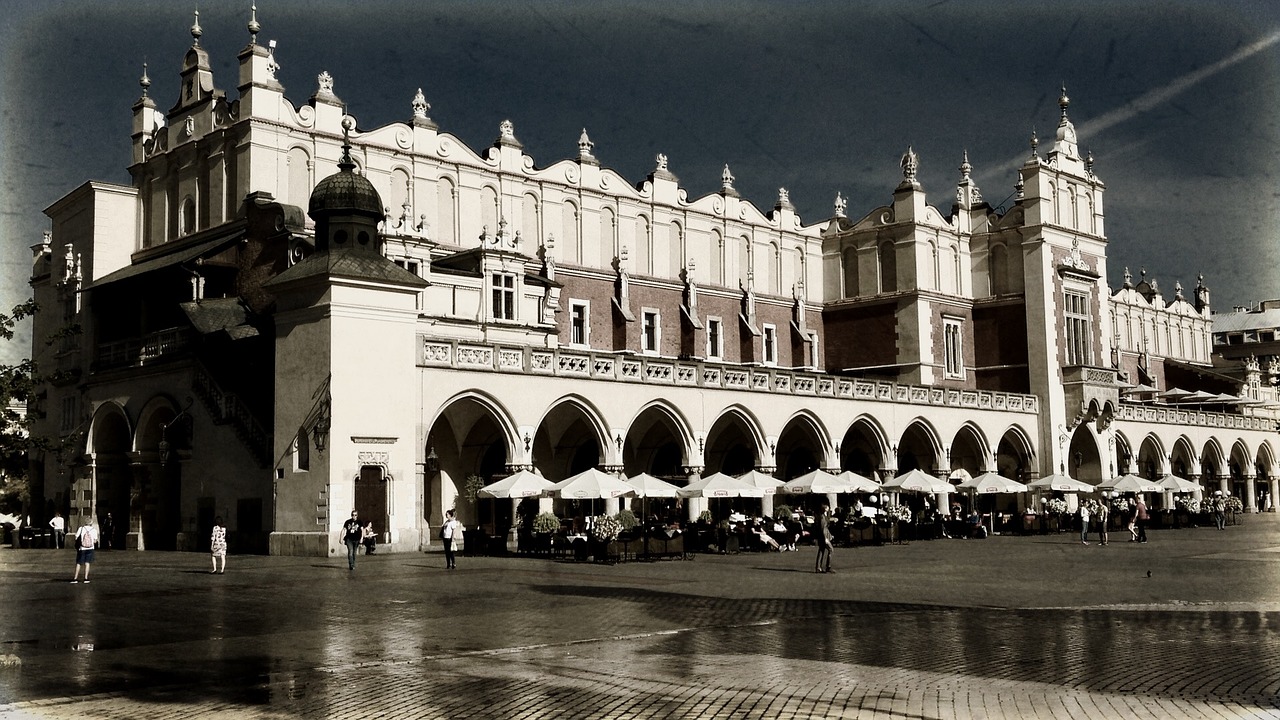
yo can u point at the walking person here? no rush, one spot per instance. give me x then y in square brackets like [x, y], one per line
[108, 531]
[218, 546]
[86, 541]
[1140, 518]
[448, 533]
[352, 534]
[1219, 510]
[823, 540]
[59, 531]
[1084, 522]
[1101, 515]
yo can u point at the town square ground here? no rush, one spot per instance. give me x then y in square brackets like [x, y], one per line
[1185, 626]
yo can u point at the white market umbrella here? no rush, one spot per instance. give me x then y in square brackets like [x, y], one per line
[647, 486]
[764, 481]
[988, 483]
[1178, 485]
[592, 484]
[520, 485]
[818, 482]
[917, 481]
[860, 483]
[719, 485]
[1130, 483]
[1060, 483]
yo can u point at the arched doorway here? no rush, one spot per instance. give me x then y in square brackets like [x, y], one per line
[467, 446]
[731, 446]
[862, 449]
[111, 477]
[801, 448]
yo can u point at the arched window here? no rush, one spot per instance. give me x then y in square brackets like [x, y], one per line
[675, 249]
[998, 268]
[446, 212]
[188, 219]
[644, 246]
[888, 267]
[489, 209]
[398, 195]
[570, 250]
[849, 266]
[936, 263]
[608, 236]
[529, 222]
[744, 259]
[298, 188]
[775, 268]
[715, 273]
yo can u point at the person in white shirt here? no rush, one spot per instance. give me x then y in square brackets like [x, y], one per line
[86, 541]
[448, 534]
[59, 531]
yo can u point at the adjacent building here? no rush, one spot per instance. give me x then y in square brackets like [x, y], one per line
[286, 316]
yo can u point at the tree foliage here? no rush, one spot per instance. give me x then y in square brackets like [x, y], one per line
[17, 383]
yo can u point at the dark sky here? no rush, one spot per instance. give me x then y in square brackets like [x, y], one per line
[1176, 100]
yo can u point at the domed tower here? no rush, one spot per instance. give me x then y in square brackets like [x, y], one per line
[346, 323]
[346, 208]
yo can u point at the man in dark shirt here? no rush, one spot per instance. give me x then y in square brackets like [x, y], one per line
[352, 534]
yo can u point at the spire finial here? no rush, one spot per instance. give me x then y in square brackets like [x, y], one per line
[585, 146]
[1088, 162]
[840, 205]
[1019, 188]
[144, 81]
[254, 27]
[910, 163]
[1128, 277]
[1035, 144]
[196, 32]
[1064, 101]
[965, 167]
[346, 164]
[726, 178]
[420, 105]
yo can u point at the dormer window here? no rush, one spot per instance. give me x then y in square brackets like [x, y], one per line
[504, 296]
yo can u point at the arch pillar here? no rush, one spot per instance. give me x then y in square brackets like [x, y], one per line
[1251, 493]
[693, 506]
[1198, 495]
[1273, 491]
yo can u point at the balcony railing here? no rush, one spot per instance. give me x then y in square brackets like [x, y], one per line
[140, 351]
[1140, 412]
[702, 374]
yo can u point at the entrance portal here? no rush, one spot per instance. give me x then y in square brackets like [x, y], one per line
[371, 499]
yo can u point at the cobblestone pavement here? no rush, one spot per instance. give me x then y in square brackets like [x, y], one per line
[1186, 626]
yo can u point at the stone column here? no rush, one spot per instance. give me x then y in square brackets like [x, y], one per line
[1274, 484]
[1251, 493]
[694, 506]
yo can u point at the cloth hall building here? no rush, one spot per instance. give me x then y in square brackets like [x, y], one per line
[285, 316]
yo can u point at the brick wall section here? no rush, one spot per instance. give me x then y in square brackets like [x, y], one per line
[938, 345]
[860, 335]
[1000, 339]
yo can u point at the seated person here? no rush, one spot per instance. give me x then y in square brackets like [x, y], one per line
[765, 538]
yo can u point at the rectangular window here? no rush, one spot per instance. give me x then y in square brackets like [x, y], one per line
[412, 266]
[579, 329]
[504, 296]
[954, 349]
[770, 350]
[813, 350]
[652, 332]
[715, 339]
[1078, 315]
[69, 412]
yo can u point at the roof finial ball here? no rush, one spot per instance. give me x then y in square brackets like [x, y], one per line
[1064, 101]
[346, 163]
[144, 81]
[196, 32]
[254, 27]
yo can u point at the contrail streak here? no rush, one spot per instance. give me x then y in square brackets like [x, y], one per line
[1158, 96]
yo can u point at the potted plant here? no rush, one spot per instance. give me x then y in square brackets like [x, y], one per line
[604, 531]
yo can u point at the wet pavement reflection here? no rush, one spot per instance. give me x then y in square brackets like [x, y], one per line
[516, 637]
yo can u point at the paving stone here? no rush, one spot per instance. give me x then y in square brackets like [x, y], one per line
[1010, 627]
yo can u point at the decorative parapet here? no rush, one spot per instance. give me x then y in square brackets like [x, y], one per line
[1139, 412]
[463, 355]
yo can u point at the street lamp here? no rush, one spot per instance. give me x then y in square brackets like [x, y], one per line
[433, 460]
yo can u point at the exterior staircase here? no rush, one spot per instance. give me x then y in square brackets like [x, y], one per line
[226, 408]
